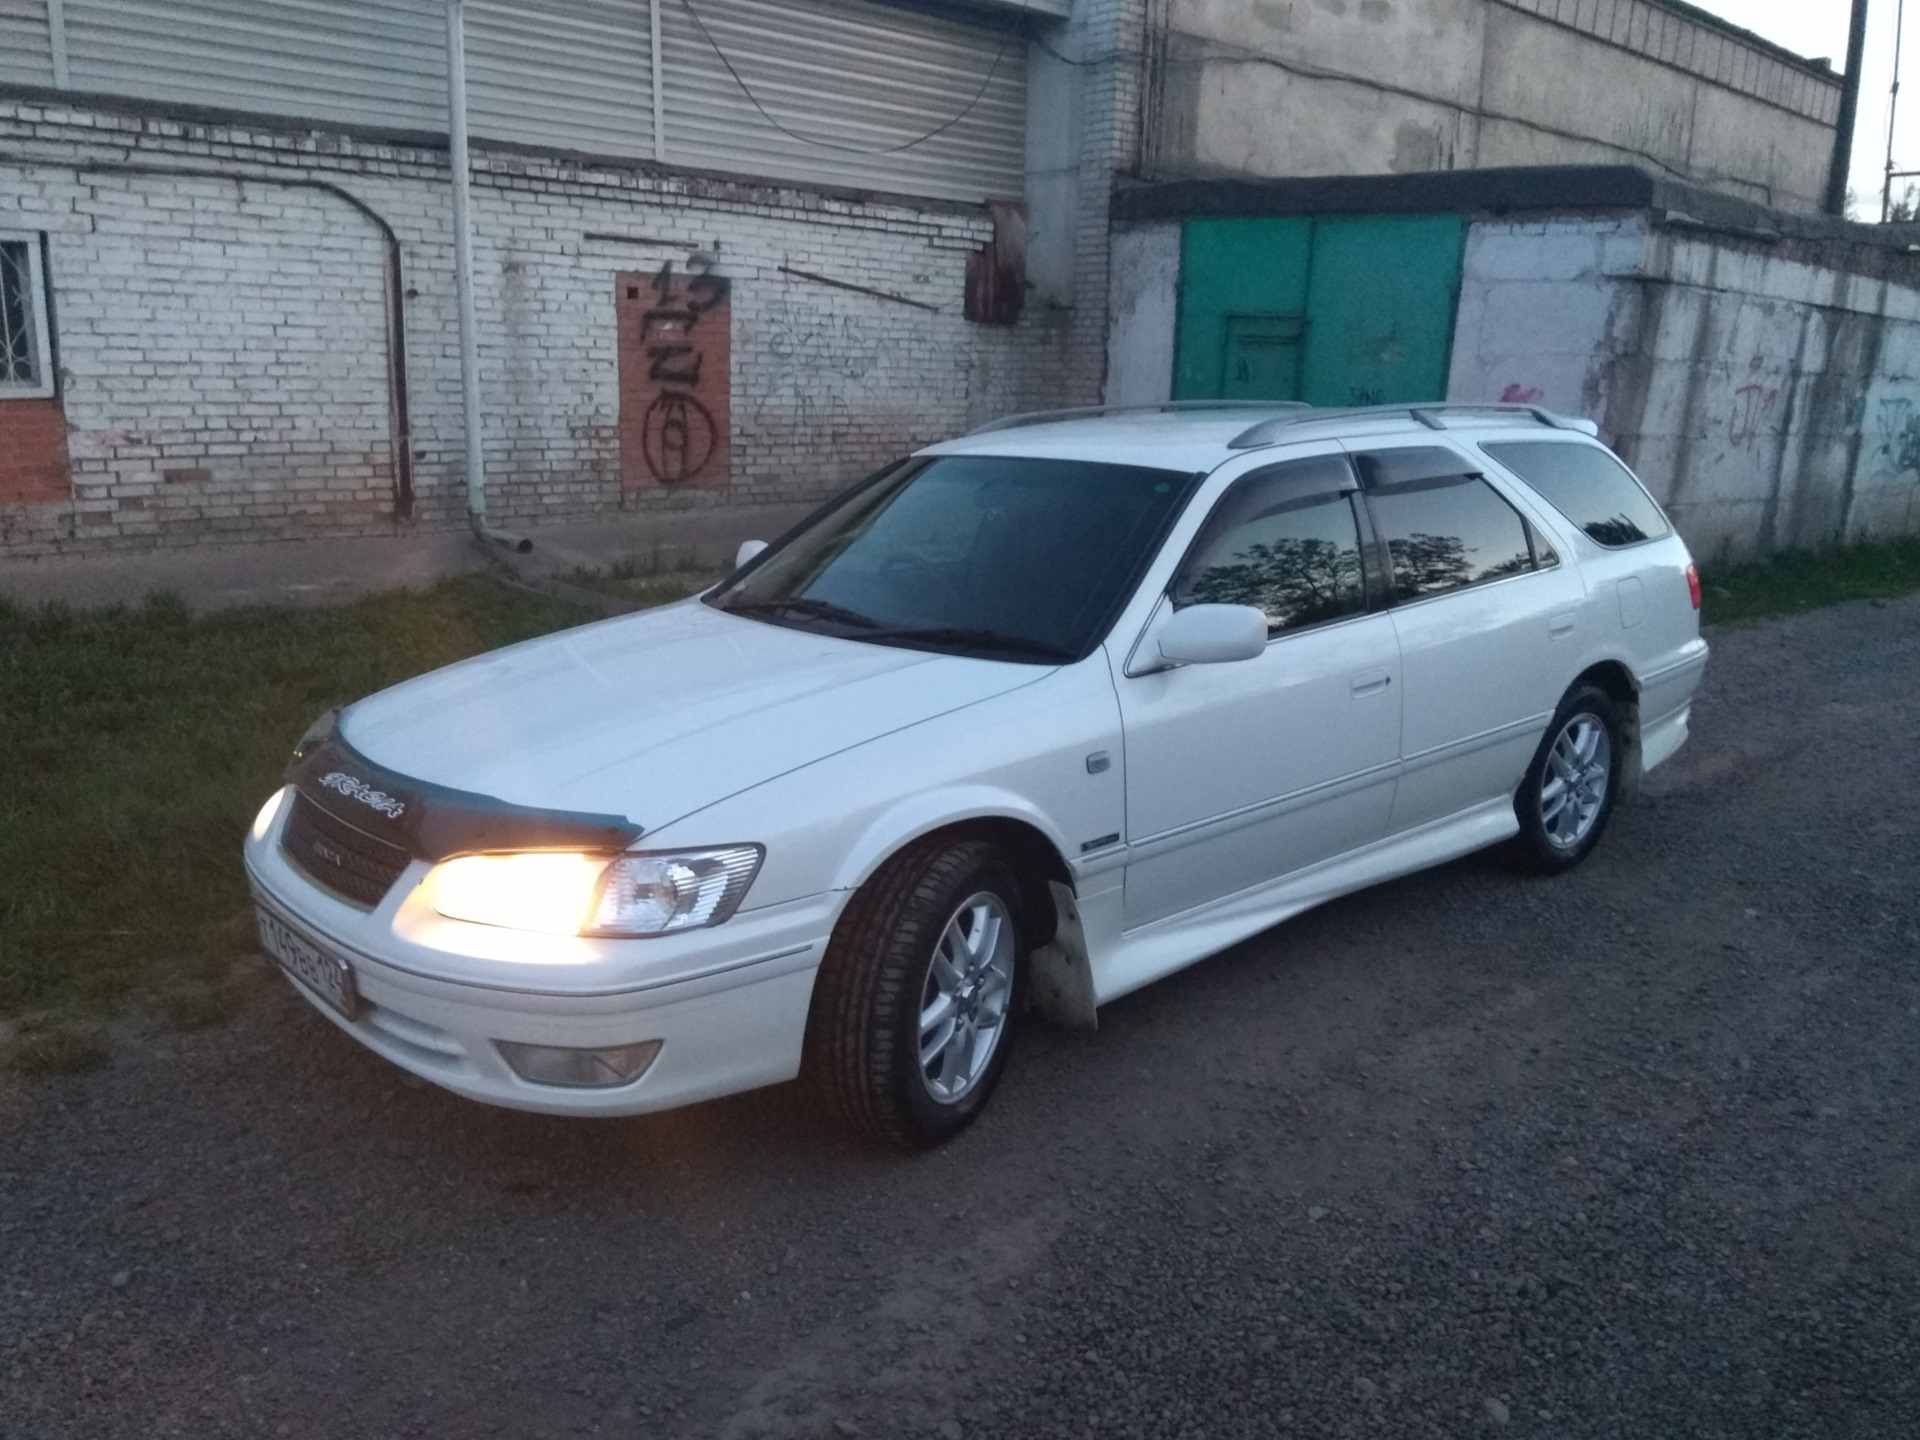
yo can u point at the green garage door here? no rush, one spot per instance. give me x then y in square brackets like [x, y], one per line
[1338, 310]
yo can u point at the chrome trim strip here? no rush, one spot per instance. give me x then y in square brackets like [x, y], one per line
[1484, 740]
[1263, 809]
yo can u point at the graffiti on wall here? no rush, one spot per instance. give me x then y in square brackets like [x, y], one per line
[676, 376]
[1522, 394]
[817, 357]
[1750, 414]
[1897, 436]
[1752, 404]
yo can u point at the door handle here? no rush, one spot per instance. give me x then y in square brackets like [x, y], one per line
[1559, 625]
[1371, 682]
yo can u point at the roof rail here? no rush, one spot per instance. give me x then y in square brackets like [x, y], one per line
[1271, 432]
[1092, 412]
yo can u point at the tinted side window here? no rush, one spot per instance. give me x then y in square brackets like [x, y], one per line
[1284, 540]
[1588, 486]
[1444, 529]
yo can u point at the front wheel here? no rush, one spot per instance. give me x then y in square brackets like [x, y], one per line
[917, 998]
[1568, 794]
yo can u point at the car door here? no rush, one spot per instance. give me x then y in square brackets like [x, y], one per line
[1241, 772]
[1488, 622]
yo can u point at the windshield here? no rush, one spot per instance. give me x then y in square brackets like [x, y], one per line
[1016, 559]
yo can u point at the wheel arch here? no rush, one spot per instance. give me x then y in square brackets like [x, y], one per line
[1614, 677]
[1062, 972]
[1619, 683]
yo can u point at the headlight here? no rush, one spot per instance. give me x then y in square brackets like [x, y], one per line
[568, 894]
[552, 894]
[658, 894]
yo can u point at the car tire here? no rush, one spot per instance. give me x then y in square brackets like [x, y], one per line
[1569, 791]
[941, 922]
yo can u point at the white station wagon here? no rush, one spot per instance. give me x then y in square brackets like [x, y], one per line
[1017, 725]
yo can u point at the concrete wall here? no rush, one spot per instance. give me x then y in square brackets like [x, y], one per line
[1358, 87]
[1143, 313]
[1768, 392]
[222, 342]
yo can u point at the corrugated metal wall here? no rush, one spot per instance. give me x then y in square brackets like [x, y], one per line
[855, 80]
[847, 83]
[25, 58]
[359, 62]
[570, 73]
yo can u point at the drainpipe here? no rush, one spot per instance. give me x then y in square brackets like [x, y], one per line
[463, 281]
[1849, 113]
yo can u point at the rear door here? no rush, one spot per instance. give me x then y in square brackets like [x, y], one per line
[1488, 620]
[1242, 772]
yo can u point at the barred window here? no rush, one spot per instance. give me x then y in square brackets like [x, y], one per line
[26, 362]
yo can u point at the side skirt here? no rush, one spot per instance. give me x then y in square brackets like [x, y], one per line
[1123, 961]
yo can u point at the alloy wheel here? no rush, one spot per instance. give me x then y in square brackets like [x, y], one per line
[1573, 791]
[963, 1004]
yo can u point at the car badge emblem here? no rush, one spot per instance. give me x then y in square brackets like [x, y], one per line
[357, 789]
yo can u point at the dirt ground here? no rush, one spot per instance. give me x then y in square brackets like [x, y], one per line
[1635, 1152]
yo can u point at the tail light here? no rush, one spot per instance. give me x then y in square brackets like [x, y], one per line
[1693, 585]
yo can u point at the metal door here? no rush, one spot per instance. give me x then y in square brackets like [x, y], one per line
[1263, 357]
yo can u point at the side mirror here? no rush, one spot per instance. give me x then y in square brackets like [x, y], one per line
[748, 549]
[1211, 634]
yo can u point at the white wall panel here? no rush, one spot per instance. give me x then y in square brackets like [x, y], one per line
[357, 62]
[856, 80]
[573, 74]
[25, 58]
[867, 95]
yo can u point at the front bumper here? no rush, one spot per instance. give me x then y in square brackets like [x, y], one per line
[728, 1004]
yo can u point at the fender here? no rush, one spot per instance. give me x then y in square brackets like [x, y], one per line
[931, 810]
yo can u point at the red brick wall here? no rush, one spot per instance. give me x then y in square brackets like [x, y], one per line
[676, 378]
[33, 451]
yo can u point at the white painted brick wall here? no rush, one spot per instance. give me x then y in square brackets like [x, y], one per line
[237, 326]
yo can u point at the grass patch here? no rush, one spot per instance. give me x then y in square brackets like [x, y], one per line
[138, 744]
[655, 579]
[1797, 580]
[56, 1045]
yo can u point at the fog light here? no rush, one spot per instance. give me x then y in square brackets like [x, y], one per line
[579, 1069]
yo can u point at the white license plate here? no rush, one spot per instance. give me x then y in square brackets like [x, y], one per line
[322, 972]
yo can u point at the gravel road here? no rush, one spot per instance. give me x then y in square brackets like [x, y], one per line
[1632, 1153]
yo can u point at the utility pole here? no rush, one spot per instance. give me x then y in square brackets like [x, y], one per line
[1849, 112]
[1893, 113]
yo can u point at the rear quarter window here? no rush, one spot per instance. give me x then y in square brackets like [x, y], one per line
[1588, 486]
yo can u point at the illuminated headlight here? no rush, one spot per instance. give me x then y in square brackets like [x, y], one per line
[659, 894]
[549, 894]
[568, 894]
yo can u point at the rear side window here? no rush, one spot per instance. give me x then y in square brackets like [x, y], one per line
[1445, 527]
[1588, 486]
[1285, 541]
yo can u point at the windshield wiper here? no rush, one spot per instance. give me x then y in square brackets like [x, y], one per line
[973, 637]
[804, 605]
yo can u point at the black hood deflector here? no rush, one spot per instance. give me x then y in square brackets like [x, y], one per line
[437, 822]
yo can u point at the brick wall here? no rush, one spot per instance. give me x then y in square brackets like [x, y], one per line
[224, 335]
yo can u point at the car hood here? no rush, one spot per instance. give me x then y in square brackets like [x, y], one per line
[659, 714]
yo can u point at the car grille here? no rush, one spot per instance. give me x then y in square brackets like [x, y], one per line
[357, 865]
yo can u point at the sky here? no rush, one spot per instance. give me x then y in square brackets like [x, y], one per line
[1819, 27]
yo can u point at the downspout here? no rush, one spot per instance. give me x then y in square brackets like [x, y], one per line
[1837, 173]
[463, 281]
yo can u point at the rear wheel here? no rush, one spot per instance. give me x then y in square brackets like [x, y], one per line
[1568, 794]
[918, 996]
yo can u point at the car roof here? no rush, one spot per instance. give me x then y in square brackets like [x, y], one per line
[1201, 436]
